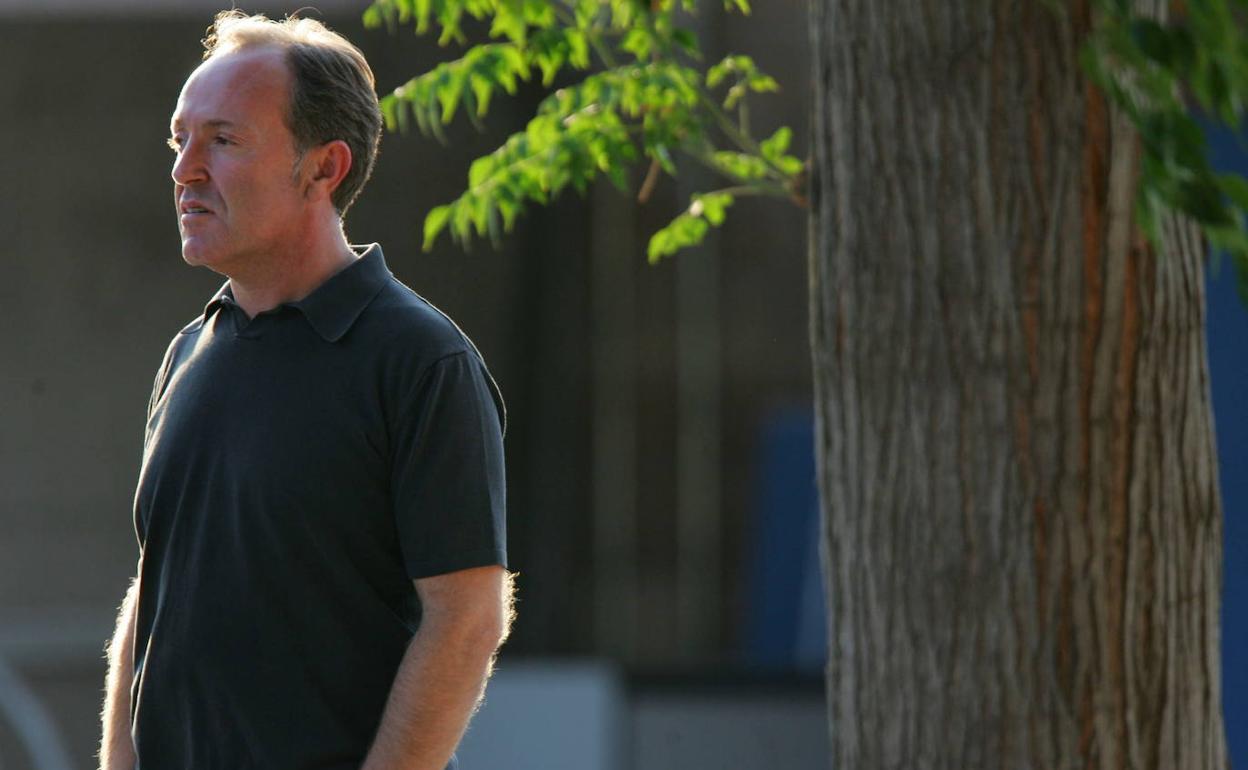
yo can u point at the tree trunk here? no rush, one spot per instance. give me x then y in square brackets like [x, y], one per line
[1015, 444]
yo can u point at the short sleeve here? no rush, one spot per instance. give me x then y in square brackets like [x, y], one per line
[158, 389]
[448, 483]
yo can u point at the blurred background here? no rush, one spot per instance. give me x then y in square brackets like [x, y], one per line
[661, 485]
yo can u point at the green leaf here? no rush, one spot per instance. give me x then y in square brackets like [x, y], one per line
[1152, 39]
[654, 107]
[549, 63]
[1235, 187]
[730, 65]
[683, 231]
[586, 12]
[435, 221]
[401, 119]
[578, 49]
[482, 89]
[388, 111]
[509, 209]
[479, 206]
[686, 40]
[638, 42]
[760, 83]
[690, 228]
[711, 206]
[480, 170]
[776, 146]
[510, 26]
[449, 92]
[790, 165]
[663, 155]
[421, 13]
[492, 226]
[1219, 86]
[741, 165]
[471, 81]
[625, 12]
[618, 176]
[1202, 200]
[1182, 48]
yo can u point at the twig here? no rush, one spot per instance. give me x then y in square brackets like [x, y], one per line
[652, 179]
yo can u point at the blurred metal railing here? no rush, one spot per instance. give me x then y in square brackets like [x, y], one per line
[51, 640]
[24, 712]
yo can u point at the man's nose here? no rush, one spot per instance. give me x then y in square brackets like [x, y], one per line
[188, 166]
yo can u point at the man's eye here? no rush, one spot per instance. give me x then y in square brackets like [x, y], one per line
[174, 143]
[222, 140]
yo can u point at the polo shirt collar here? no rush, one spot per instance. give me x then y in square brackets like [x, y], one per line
[332, 307]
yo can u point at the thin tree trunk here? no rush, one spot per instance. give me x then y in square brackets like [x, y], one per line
[1015, 445]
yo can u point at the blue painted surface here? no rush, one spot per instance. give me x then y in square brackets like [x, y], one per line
[784, 626]
[1228, 372]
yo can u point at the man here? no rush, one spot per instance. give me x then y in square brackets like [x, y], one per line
[320, 510]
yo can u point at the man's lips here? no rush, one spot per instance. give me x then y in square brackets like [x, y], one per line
[193, 221]
[193, 207]
[193, 214]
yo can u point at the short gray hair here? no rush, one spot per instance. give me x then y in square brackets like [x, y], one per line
[333, 95]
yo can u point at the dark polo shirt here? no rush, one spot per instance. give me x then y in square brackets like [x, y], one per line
[300, 468]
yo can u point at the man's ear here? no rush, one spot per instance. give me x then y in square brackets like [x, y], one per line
[324, 168]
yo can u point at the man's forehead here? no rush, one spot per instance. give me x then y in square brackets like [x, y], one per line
[234, 78]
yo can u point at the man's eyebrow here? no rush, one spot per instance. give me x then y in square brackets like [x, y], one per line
[214, 123]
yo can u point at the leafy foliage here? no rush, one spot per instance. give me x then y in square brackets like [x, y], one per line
[645, 96]
[689, 228]
[642, 96]
[1156, 73]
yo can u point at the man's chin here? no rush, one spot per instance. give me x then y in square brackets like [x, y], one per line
[195, 254]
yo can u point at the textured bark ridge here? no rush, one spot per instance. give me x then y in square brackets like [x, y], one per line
[1023, 530]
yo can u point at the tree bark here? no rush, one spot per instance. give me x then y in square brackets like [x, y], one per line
[1015, 445]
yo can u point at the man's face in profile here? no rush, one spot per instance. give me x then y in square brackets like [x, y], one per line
[234, 184]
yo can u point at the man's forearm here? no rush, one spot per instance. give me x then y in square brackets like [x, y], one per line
[116, 746]
[438, 686]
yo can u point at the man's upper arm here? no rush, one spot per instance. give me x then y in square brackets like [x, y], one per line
[448, 482]
[477, 597]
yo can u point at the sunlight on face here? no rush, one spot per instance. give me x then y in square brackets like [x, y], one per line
[237, 203]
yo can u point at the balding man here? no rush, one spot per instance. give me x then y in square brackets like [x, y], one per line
[322, 575]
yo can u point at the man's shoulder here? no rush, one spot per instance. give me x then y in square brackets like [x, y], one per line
[185, 337]
[192, 327]
[400, 316]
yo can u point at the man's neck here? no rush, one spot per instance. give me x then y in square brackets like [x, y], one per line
[292, 276]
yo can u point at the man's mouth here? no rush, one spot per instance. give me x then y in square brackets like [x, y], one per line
[192, 206]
